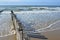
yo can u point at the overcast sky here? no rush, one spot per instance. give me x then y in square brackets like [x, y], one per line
[29, 2]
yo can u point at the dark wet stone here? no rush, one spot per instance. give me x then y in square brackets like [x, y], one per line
[39, 36]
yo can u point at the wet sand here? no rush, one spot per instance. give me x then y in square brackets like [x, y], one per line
[52, 35]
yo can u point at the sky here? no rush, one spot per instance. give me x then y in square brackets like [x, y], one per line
[29, 2]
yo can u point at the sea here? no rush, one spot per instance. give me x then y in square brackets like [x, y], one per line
[42, 19]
